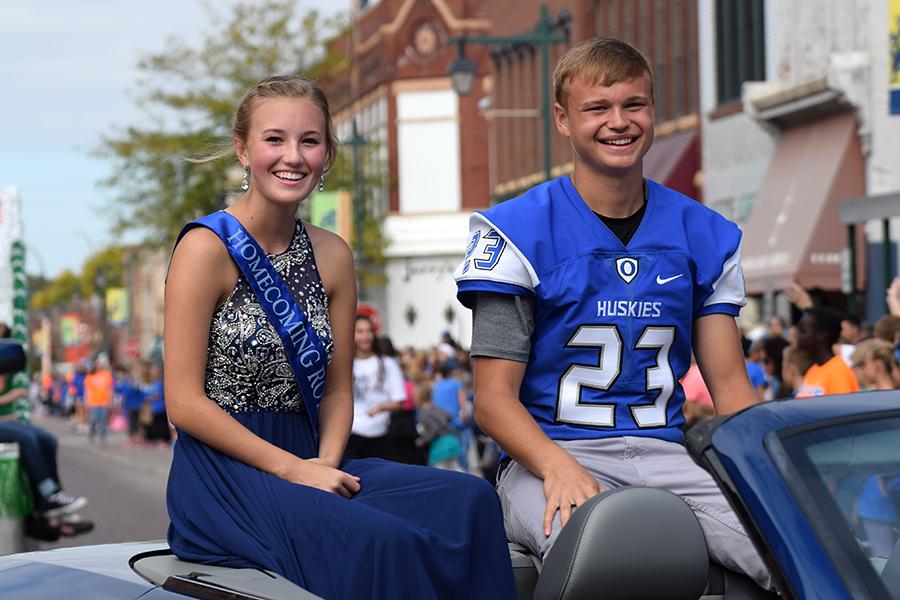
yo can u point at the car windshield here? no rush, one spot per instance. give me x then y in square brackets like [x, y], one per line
[846, 477]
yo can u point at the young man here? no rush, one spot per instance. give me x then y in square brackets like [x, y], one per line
[588, 293]
[818, 331]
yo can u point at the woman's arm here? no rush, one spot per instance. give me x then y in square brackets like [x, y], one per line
[201, 275]
[335, 262]
[394, 387]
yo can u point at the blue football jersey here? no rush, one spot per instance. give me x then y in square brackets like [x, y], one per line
[613, 322]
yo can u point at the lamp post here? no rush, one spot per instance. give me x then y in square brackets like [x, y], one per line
[356, 142]
[547, 32]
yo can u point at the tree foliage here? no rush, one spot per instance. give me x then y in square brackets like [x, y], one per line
[58, 292]
[189, 94]
[102, 270]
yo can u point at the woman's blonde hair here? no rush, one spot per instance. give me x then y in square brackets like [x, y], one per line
[279, 86]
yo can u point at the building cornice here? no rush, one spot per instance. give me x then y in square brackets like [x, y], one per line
[388, 29]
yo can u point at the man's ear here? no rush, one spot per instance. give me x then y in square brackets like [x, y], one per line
[561, 119]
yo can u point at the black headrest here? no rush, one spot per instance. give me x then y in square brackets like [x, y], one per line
[12, 356]
[630, 543]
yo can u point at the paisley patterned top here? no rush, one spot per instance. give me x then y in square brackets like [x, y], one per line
[246, 366]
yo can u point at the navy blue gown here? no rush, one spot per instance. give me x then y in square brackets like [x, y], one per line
[411, 532]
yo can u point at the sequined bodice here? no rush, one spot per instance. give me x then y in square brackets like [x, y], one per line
[246, 366]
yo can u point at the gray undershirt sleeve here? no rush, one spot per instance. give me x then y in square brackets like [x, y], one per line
[502, 325]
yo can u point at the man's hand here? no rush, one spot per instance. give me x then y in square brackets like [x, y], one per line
[893, 297]
[567, 487]
[798, 296]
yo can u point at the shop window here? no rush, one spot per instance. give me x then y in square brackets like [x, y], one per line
[740, 46]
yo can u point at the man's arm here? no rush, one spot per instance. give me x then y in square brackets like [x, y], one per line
[502, 416]
[717, 347]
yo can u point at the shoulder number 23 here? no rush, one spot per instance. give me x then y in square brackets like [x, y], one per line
[493, 248]
[606, 338]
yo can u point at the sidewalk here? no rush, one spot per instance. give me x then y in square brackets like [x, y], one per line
[151, 460]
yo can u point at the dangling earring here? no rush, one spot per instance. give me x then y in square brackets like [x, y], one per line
[322, 183]
[245, 185]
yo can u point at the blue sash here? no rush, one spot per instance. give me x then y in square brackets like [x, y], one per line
[305, 351]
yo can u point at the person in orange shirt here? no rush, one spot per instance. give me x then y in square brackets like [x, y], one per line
[98, 389]
[817, 331]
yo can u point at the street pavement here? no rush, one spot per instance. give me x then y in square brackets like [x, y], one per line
[125, 486]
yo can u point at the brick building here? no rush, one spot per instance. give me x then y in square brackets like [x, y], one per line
[800, 141]
[445, 155]
[431, 144]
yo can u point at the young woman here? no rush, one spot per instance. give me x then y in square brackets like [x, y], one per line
[378, 391]
[257, 479]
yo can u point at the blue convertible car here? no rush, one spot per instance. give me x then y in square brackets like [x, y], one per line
[815, 482]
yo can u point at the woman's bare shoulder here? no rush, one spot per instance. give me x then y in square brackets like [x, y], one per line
[201, 244]
[329, 245]
[201, 258]
[334, 258]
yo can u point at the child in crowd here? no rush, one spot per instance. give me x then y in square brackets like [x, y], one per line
[158, 432]
[795, 364]
[435, 431]
[129, 385]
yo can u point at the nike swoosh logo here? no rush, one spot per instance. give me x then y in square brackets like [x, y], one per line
[664, 280]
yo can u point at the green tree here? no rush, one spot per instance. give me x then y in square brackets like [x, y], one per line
[58, 292]
[189, 94]
[103, 270]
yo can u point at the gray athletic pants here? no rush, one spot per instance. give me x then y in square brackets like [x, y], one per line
[635, 461]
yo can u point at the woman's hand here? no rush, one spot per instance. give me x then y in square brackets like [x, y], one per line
[328, 462]
[315, 473]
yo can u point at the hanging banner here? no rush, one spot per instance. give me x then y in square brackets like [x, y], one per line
[70, 329]
[894, 57]
[332, 211]
[117, 306]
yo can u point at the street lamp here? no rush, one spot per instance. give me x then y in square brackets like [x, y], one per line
[462, 71]
[356, 142]
[547, 32]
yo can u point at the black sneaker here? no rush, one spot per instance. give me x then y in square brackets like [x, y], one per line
[37, 526]
[70, 525]
[61, 504]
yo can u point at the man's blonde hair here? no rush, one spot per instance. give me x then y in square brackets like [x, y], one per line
[599, 60]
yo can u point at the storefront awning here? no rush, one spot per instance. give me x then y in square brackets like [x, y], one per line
[793, 233]
[673, 162]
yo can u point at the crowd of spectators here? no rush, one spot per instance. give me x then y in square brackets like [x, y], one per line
[827, 352]
[94, 397]
[414, 405]
[824, 352]
[430, 421]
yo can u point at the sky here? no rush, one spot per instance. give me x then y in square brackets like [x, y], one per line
[69, 73]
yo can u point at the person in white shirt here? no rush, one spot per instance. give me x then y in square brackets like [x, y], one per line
[377, 390]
